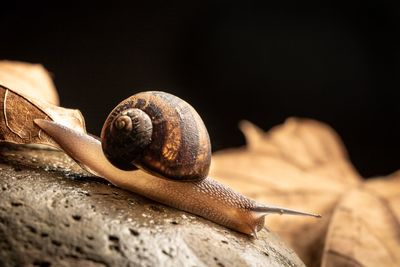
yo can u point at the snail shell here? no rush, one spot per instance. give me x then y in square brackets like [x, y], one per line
[160, 133]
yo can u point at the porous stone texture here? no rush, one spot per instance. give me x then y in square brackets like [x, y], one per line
[54, 214]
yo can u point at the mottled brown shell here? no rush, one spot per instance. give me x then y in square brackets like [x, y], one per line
[176, 146]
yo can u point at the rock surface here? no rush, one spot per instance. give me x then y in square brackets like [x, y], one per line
[54, 214]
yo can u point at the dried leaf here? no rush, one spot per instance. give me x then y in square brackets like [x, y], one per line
[309, 145]
[301, 164]
[365, 227]
[18, 113]
[31, 80]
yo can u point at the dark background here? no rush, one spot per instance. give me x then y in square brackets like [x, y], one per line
[230, 60]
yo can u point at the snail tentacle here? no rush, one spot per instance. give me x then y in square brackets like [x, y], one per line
[262, 209]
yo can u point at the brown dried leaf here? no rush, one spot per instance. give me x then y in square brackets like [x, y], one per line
[301, 164]
[365, 227]
[31, 80]
[18, 113]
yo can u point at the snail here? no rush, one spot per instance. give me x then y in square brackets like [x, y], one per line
[169, 163]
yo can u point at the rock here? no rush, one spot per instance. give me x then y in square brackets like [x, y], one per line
[54, 214]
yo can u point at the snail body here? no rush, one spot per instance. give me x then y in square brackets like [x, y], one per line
[202, 196]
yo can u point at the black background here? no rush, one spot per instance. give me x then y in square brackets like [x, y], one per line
[230, 60]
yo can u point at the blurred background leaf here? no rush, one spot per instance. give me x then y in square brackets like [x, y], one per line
[303, 164]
